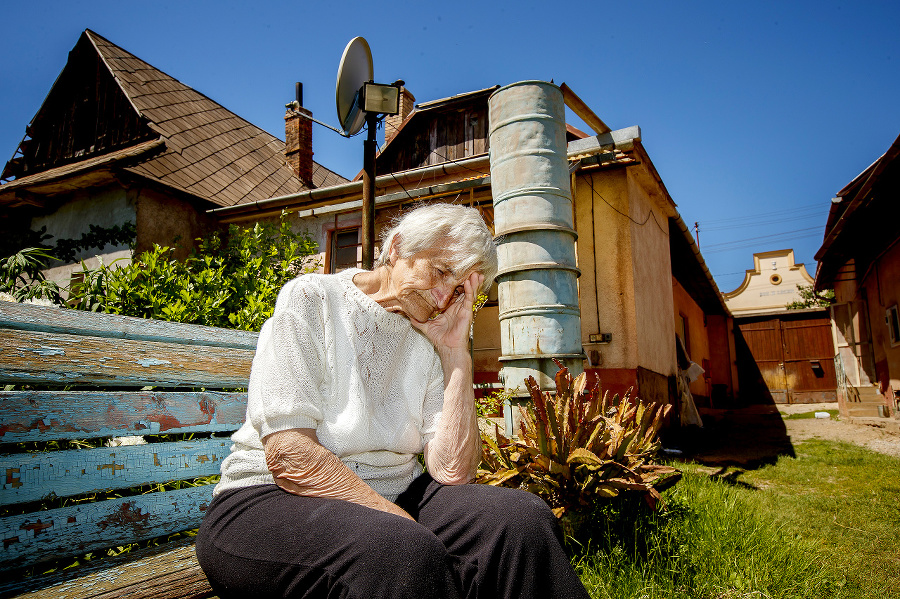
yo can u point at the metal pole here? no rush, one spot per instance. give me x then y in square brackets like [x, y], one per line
[368, 202]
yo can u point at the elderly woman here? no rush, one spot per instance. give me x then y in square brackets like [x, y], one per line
[355, 375]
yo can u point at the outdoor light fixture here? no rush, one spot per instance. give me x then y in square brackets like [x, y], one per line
[380, 98]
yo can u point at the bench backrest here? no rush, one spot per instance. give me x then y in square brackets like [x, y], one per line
[128, 376]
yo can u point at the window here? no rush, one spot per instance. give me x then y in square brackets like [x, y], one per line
[346, 249]
[892, 316]
[683, 332]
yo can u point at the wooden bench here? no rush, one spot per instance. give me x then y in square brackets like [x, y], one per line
[113, 376]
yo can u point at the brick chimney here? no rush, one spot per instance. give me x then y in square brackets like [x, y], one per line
[392, 122]
[298, 138]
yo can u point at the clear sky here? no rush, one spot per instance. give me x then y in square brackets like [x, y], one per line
[754, 113]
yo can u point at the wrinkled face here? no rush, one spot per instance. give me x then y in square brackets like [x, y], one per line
[424, 283]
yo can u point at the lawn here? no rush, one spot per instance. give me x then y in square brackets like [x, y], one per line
[824, 524]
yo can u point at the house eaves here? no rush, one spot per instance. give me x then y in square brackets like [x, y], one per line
[406, 185]
[31, 188]
[852, 197]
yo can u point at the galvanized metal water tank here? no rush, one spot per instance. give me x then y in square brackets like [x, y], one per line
[534, 224]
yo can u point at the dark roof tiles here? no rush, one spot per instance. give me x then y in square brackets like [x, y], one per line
[210, 151]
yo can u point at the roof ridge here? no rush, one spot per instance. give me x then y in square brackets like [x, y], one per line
[115, 72]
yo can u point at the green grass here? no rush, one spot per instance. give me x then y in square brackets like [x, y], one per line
[825, 524]
[805, 415]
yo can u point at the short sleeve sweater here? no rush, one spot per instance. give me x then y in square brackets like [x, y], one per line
[331, 359]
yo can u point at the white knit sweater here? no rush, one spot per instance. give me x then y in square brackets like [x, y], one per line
[331, 359]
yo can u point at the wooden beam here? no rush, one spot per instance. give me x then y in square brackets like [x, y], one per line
[583, 111]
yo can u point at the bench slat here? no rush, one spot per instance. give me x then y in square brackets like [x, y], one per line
[52, 415]
[33, 476]
[77, 529]
[29, 317]
[170, 571]
[60, 359]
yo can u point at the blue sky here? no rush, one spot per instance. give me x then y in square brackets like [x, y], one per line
[754, 114]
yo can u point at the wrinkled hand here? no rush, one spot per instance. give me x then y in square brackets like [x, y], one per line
[449, 330]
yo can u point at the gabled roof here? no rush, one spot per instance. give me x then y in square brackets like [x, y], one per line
[209, 152]
[862, 218]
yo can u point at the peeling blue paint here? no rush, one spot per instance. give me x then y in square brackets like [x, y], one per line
[151, 362]
[45, 350]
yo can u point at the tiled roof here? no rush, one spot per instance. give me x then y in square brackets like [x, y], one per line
[210, 151]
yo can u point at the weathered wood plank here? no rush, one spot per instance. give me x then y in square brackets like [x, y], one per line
[77, 529]
[169, 572]
[61, 359]
[46, 319]
[52, 415]
[34, 476]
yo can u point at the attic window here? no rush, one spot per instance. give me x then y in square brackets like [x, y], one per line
[775, 279]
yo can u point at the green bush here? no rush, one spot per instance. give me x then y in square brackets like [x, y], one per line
[229, 281]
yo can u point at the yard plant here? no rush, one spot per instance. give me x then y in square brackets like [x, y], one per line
[579, 447]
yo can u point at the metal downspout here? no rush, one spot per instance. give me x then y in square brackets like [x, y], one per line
[540, 317]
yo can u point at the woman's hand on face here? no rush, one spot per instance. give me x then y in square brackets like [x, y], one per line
[449, 330]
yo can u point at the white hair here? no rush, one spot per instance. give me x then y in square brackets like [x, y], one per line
[459, 230]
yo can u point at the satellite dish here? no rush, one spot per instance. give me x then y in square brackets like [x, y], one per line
[354, 70]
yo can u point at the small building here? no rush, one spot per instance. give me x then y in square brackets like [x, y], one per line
[118, 141]
[860, 260]
[783, 356]
[770, 285]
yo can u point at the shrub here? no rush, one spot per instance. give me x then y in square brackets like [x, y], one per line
[230, 281]
[578, 448]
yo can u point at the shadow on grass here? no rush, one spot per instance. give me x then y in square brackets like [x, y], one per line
[747, 438]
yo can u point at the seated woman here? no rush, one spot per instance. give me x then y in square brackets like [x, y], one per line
[355, 374]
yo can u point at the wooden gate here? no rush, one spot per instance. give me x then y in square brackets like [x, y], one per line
[794, 354]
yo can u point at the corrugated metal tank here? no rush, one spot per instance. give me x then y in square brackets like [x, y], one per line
[534, 225]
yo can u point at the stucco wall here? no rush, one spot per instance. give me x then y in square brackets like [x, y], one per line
[652, 269]
[100, 206]
[606, 285]
[698, 339]
[770, 285]
[168, 221]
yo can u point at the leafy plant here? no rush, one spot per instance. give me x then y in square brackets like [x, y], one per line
[810, 298]
[21, 275]
[230, 281]
[577, 448]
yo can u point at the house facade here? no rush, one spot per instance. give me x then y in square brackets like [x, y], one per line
[118, 141]
[860, 259]
[638, 267]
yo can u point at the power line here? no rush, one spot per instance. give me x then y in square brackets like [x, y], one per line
[801, 208]
[757, 241]
[758, 222]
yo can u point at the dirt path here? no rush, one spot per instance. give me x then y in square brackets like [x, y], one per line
[757, 435]
[869, 436]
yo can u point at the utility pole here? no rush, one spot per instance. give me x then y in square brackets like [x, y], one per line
[368, 207]
[697, 233]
